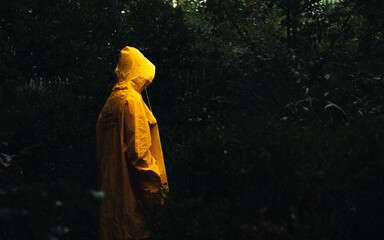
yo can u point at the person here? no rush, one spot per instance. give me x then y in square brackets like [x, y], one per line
[129, 154]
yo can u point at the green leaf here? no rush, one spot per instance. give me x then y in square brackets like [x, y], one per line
[331, 104]
[97, 194]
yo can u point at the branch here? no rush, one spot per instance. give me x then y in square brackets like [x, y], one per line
[243, 35]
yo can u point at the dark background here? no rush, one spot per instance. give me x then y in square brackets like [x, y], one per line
[271, 115]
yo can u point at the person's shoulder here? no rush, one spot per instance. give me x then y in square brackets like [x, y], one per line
[131, 95]
[131, 99]
[128, 95]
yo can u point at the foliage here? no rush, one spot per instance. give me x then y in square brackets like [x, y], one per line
[270, 113]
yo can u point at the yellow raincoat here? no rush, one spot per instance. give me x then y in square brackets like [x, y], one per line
[130, 158]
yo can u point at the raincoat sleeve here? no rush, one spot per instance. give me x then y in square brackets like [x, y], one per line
[137, 141]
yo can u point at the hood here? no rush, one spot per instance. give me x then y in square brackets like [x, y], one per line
[133, 70]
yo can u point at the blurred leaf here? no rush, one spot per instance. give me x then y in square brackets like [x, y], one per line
[331, 104]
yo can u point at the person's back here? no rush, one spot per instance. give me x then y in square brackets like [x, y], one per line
[129, 154]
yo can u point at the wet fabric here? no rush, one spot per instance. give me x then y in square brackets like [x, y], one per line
[129, 154]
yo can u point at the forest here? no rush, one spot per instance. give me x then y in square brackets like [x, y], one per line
[271, 115]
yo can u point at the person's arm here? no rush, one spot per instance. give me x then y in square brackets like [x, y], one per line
[137, 139]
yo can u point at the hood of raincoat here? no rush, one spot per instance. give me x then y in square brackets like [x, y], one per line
[133, 70]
